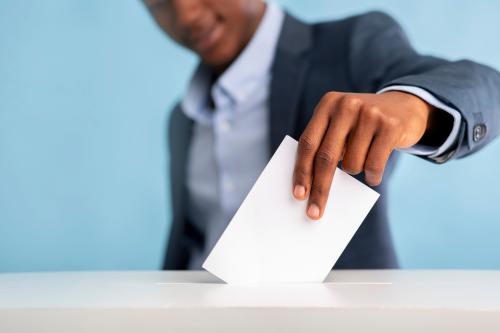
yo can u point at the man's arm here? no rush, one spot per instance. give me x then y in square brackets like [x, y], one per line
[381, 56]
[363, 129]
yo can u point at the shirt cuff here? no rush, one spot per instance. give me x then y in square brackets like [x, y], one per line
[424, 150]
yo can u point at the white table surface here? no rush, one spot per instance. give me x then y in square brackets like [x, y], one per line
[349, 301]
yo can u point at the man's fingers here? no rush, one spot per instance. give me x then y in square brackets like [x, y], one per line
[309, 143]
[328, 155]
[376, 160]
[325, 162]
[359, 142]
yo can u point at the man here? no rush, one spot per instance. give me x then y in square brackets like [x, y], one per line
[352, 90]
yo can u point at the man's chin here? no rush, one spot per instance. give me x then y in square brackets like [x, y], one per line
[218, 60]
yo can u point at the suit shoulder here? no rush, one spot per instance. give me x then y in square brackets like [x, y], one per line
[175, 118]
[175, 112]
[376, 21]
[373, 21]
[375, 17]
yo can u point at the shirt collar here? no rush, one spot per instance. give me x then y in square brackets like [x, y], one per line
[245, 73]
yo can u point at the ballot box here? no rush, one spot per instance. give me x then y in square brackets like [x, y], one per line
[175, 301]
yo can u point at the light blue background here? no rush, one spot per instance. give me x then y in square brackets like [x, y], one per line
[84, 91]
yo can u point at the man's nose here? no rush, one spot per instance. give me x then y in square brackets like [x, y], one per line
[187, 13]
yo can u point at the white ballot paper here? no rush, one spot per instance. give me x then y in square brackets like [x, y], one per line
[271, 240]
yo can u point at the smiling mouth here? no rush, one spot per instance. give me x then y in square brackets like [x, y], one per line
[208, 39]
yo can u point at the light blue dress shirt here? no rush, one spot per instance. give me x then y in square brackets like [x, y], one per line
[229, 147]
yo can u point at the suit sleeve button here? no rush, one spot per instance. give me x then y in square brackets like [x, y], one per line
[479, 132]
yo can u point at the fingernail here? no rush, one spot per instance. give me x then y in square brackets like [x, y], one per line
[349, 172]
[372, 179]
[299, 191]
[313, 211]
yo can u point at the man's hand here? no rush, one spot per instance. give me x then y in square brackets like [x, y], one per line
[361, 130]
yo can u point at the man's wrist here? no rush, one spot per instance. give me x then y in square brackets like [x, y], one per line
[439, 126]
[437, 123]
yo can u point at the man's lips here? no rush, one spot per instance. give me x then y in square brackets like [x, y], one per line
[208, 39]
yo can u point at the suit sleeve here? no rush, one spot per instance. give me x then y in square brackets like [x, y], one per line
[380, 56]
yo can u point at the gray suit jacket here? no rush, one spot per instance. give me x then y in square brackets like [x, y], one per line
[359, 54]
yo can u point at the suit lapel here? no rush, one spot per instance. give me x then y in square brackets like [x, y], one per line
[288, 76]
